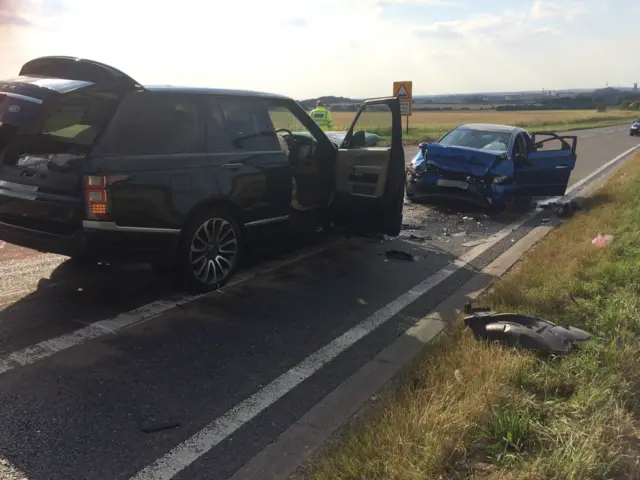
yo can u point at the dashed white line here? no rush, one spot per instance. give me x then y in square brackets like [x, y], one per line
[176, 460]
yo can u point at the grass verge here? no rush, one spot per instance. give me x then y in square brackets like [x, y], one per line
[472, 410]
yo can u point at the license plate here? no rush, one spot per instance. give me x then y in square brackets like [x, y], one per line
[442, 182]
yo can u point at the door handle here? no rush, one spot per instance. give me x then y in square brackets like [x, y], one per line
[233, 166]
[562, 166]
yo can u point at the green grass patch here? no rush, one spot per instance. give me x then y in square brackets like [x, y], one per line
[472, 410]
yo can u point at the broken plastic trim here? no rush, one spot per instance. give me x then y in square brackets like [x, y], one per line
[531, 333]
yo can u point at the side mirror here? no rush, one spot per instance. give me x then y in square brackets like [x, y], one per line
[521, 158]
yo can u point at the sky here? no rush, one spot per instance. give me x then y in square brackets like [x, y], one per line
[354, 48]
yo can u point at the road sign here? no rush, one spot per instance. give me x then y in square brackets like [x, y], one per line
[403, 90]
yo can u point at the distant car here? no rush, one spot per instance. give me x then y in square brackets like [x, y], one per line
[95, 166]
[635, 128]
[491, 166]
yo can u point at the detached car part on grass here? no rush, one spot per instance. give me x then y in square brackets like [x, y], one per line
[491, 166]
[531, 333]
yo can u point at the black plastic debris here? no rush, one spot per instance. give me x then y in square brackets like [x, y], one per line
[532, 333]
[561, 208]
[399, 255]
[159, 427]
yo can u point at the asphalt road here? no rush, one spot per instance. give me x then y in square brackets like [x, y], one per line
[107, 374]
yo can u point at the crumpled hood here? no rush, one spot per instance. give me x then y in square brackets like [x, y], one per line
[476, 163]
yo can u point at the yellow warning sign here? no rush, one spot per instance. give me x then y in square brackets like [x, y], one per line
[404, 90]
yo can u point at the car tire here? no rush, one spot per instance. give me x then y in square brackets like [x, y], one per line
[209, 251]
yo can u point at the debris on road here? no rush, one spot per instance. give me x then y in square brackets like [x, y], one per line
[545, 221]
[531, 333]
[475, 243]
[159, 427]
[362, 301]
[562, 209]
[602, 241]
[399, 255]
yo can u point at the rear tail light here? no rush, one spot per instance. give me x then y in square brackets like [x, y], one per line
[96, 198]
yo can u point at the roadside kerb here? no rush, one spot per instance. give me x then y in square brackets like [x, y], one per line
[294, 446]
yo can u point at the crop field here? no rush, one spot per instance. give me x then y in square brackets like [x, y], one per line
[430, 125]
[425, 126]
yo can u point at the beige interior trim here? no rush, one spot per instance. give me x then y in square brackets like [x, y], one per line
[374, 160]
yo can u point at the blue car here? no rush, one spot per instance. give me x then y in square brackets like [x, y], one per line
[492, 165]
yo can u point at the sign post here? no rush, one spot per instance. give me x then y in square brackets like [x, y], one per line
[404, 92]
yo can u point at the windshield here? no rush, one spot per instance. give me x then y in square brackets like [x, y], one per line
[478, 139]
[67, 124]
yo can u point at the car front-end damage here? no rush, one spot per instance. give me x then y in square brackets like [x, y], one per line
[484, 178]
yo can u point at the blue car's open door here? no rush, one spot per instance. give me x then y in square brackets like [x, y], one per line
[545, 171]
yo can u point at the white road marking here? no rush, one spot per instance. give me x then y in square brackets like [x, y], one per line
[176, 460]
[110, 326]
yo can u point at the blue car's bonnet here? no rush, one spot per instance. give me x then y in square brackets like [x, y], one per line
[474, 162]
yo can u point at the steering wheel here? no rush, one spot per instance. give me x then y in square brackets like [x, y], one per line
[285, 130]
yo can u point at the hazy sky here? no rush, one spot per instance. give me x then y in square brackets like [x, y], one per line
[306, 48]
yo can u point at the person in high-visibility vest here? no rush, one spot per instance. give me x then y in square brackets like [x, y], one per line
[322, 116]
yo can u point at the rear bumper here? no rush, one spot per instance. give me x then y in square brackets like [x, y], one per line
[100, 242]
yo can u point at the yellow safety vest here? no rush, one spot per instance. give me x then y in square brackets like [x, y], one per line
[322, 117]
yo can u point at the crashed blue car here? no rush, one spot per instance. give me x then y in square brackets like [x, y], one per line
[492, 166]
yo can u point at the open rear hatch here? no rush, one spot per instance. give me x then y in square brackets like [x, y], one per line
[50, 117]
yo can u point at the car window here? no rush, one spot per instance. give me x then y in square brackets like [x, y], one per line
[151, 123]
[282, 117]
[68, 123]
[240, 124]
[478, 139]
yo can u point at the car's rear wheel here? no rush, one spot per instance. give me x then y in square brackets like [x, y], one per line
[209, 250]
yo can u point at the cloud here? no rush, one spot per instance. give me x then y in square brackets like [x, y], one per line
[547, 9]
[298, 22]
[11, 13]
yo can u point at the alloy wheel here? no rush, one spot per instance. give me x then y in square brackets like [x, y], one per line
[213, 252]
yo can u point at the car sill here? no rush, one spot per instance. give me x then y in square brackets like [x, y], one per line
[266, 221]
[112, 227]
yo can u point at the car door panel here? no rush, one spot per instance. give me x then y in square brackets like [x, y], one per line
[369, 183]
[547, 170]
[251, 169]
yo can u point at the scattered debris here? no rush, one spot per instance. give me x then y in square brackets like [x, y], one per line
[460, 234]
[159, 427]
[562, 209]
[474, 243]
[458, 376]
[602, 241]
[399, 255]
[532, 333]
[362, 301]
[545, 221]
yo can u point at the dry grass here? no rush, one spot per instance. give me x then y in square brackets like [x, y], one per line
[513, 415]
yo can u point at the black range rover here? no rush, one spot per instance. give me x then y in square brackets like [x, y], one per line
[95, 166]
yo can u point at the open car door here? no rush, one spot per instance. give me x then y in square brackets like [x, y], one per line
[548, 165]
[369, 192]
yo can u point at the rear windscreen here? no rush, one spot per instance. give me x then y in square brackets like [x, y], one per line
[68, 123]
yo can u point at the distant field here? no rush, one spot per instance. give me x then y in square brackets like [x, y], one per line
[425, 126]
[430, 125]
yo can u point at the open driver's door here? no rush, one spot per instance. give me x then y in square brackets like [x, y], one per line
[369, 191]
